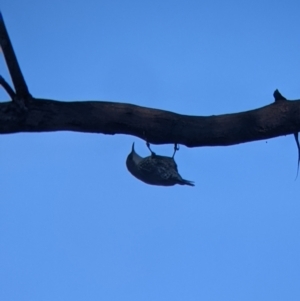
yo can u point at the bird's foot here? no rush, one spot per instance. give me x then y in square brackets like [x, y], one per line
[176, 148]
[152, 152]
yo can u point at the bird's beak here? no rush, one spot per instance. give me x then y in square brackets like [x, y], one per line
[132, 147]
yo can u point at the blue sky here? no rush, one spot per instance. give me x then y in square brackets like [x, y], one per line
[75, 225]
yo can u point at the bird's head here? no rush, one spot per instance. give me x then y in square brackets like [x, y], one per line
[133, 156]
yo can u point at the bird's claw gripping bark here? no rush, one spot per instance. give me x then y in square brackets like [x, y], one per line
[176, 148]
[152, 152]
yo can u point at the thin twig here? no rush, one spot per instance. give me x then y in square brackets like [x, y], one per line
[12, 63]
[9, 90]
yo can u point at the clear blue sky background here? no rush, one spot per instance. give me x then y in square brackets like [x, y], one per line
[75, 225]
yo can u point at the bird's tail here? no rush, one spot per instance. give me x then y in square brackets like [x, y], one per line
[186, 182]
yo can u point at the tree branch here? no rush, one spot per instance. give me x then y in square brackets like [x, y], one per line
[7, 88]
[156, 126]
[20, 85]
[28, 114]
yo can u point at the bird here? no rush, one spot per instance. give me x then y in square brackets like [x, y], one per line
[155, 169]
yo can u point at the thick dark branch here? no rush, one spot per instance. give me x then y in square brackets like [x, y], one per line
[156, 126]
[27, 114]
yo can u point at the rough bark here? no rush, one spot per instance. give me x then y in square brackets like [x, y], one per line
[156, 126]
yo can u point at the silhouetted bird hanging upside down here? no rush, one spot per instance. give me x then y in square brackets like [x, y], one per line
[154, 169]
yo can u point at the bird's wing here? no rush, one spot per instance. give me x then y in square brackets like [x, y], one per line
[159, 167]
[147, 165]
[167, 162]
